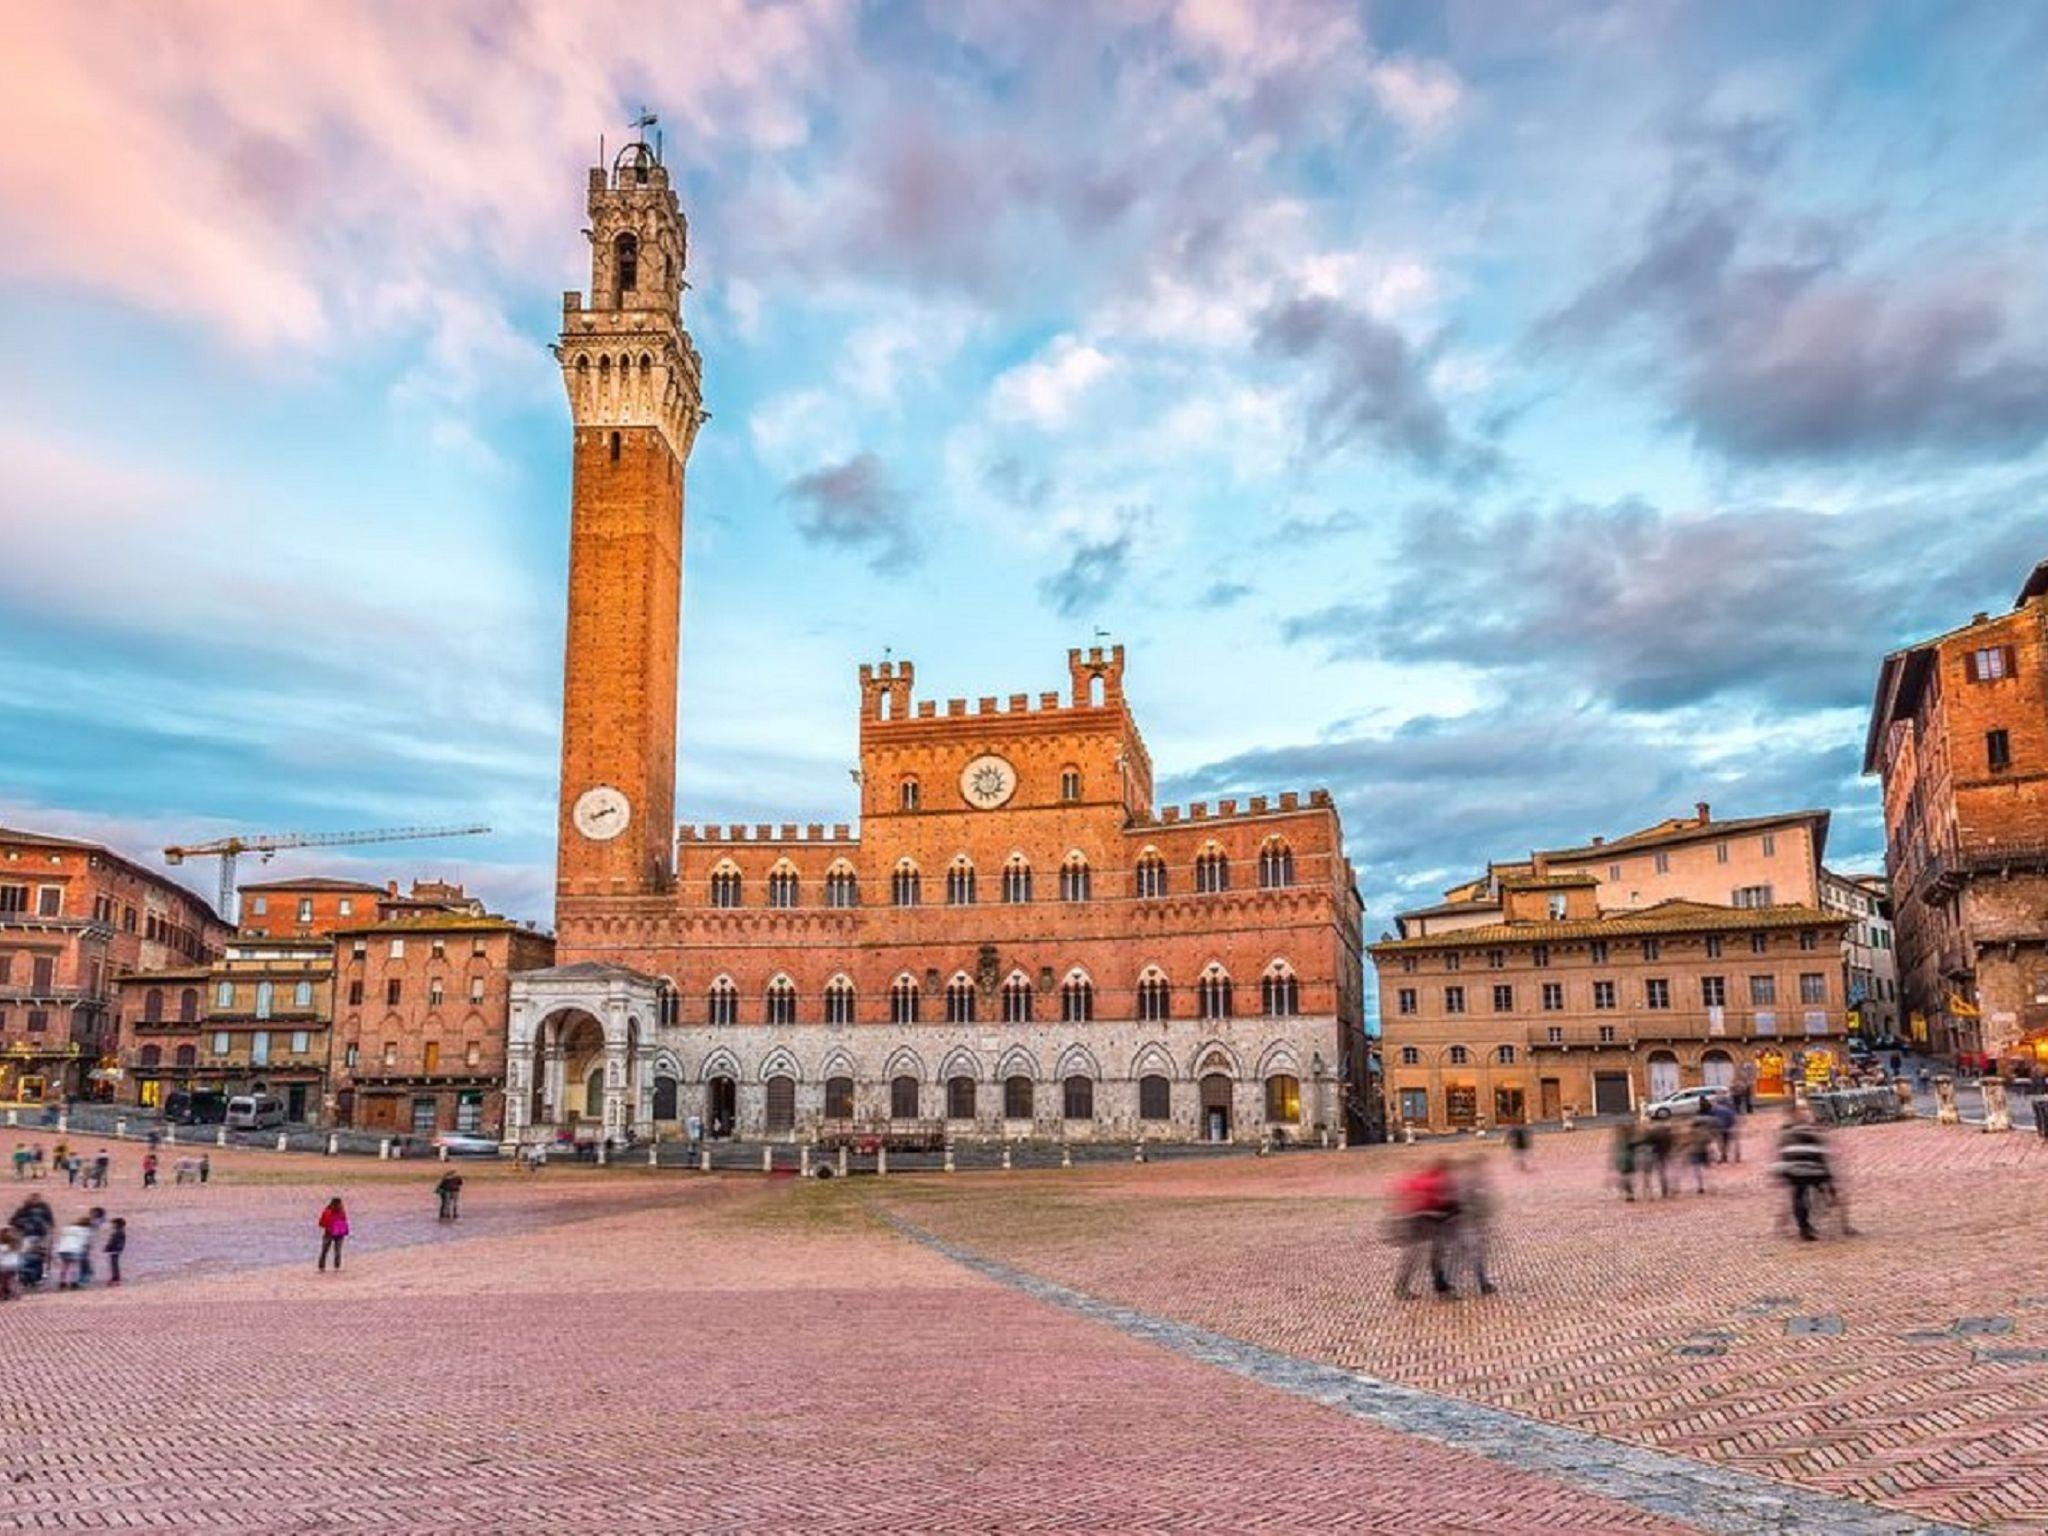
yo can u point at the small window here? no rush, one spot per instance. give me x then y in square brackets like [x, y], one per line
[1652, 949]
[430, 1058]
[906, 795]
[1458, 1055]
[1404, 1000]
[1808, 939]
[1454, 999]
[1410, 1056]
[355, 992]
[302, 994]
[1539, 955]
[1997, 750]
[394, 990]
[1603, 994]
[1503, 999]
[1283, 1099]
[220, 1042]
[1988, 663]
[1496, 959]
[476, 993]
[1714, 946]
[1663, 863]
[397, 950]
[1813, 987]
[1553, 997]
[1770, 844]
[224, 995]
[435, 993]
[627, 252]
[1558, 906]
[1759, 943]
[1070, 784]
[1597, 951]
[1505, 1055]
[1453, 961]
[1720, 853]
[1763, 991]
[345, 907]
[259, 906]
[1657, 993]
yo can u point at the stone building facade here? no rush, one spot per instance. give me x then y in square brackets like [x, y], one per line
[1015, 942]
[1559, 1008]
[75, 917]
[1869, 960]
[1959, 735]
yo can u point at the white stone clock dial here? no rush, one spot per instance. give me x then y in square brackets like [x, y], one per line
[987, 782]
[601, 813]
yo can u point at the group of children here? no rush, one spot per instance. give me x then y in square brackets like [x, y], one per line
[32, 1245]
[78, 1170]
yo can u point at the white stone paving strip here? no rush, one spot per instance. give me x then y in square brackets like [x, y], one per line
[1676, 1487]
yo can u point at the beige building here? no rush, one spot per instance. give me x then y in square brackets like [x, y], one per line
[1869, 963]
[1594, 979]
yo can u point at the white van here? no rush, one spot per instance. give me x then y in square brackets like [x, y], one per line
[254, 1112]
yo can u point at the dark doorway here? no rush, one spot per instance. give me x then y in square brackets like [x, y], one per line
[295, 1102]
[721, 1107]
[664, 1098]
[781, 1105]
[1216, 1107]
[1610, 1093]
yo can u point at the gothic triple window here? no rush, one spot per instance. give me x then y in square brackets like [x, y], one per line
[905, 889]
[722, 1002]
[782, 887]
[842, 886]
[1276, 864]
[1077, 999]
[1280, 991]
[960, 1001]
[1155, 996]
[1074, 878]
[1212, 870]
[960, 883]
[903, 1001]
[1212, 993]
[1016, 879]
[668, 1004]
[725, 886]
[781, 1001]
[839, 1001]
[1017, 999]
[1151, 874]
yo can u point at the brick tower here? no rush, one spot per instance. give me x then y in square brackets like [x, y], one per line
[635, 387]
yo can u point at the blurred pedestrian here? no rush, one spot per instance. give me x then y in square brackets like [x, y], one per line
[95, 1219]
[1472, 1225]
[1653, 1158]
[333, 1232]
[1728, 1131]
[101, 1162]
[10, 1263]
[149, 1170]
[1425, 1203]
[1802, 1166]
[205, 1166]
[22, 1158]
[1745, 1088]
[1518, 1144]
[1701, 1137]
[1624, 1159]
[117, 1244]
[72, 1244]
[450, 1191]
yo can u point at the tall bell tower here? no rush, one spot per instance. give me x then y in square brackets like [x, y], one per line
[635, 387]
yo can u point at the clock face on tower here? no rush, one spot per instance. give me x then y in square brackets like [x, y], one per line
[987, 782]
[601, 813]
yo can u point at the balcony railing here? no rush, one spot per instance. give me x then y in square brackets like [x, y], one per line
[1950, 864]
[1652, 1027]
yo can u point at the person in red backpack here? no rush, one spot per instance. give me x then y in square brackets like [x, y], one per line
[1425, 1205]
[333, 1228]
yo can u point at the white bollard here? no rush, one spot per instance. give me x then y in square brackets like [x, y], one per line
[64, 1120]
[1408, 1133]
[333, 1143]
[443, 1153]
[949, 1157]
[284, 1141]
[803, 1161]
[1945, 1110]
[121, 1129]
[1139, 1155]
[652, 1160]
[1997, 1114]
[1006, 1156]
[13, 1117]
[1066, 1155]
[882, 1158]
[384, 1149]
[842, 1160]
[220, 1137]
[170, 1135]
[768, 1159]
[602, 1148]
[704, 1158]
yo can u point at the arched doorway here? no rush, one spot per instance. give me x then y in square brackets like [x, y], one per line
[666, 1097]
[722, 1104]
[1216, 1107]
[1717, 1069]
[1663, 1074]
[581, 1051]
[1770, 1073]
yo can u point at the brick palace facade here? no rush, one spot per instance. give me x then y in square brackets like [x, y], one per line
[1016, 942]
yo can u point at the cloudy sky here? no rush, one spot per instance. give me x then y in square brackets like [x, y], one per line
[1524, 420]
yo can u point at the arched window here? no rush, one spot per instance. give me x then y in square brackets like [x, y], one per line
[151, 1056]
[188, 1055]
[903, 1001]
[1280, 991]
[781, 1001]
[905, 889]
[1074, 878]
[626, 251]
[781, 1104]
[1017, 999]
[1151, 874]
[960, 1000]
[1458, 1055]
[1155, 1097]
[960, 882]
[722, 1002]
[782, 886]
[1077, 999]
[266, 993]
[153, 1005]
[1505, 1055]
[838, 1001]
[1276, 864]
[668, 1005]
[838, 1098]
[1283, 1099]
[1070, 784]
[188, 1006]
[1016, 879]
[1212, 870]
[1078, 1098]
[959, 1098]
[1212, 993]
[906, 794]
[725, 886]
[903, 1098]
[842, 886]
[1155, 994]
[1017, 1098]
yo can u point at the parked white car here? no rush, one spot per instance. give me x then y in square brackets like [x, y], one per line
[1687, 1101]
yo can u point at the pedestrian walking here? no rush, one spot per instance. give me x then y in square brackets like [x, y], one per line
[101, 1163]
[1727, 1131]
[333, 1232]
[1624, 1158]
[1425, 1203]
[95, 1219]
[22, 1158]
[205, 1166]
[68, 1161]
[1701, 1137]
[155, 1137]
[149, 1170]
[117, 1244]
[1802, 1166]
[450, 1191]
[72, 1245]
[1518, 1144]
[10, 1263]
[1745, 1088]
[1656, 1139]
[1472, 1226]
[695, 1126]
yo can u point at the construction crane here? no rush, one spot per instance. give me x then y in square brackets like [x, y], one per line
[268, 845]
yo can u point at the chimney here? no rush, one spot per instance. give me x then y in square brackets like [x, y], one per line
[390, 887]
[1980, 618]
[1599, 840]
[1705, 811]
